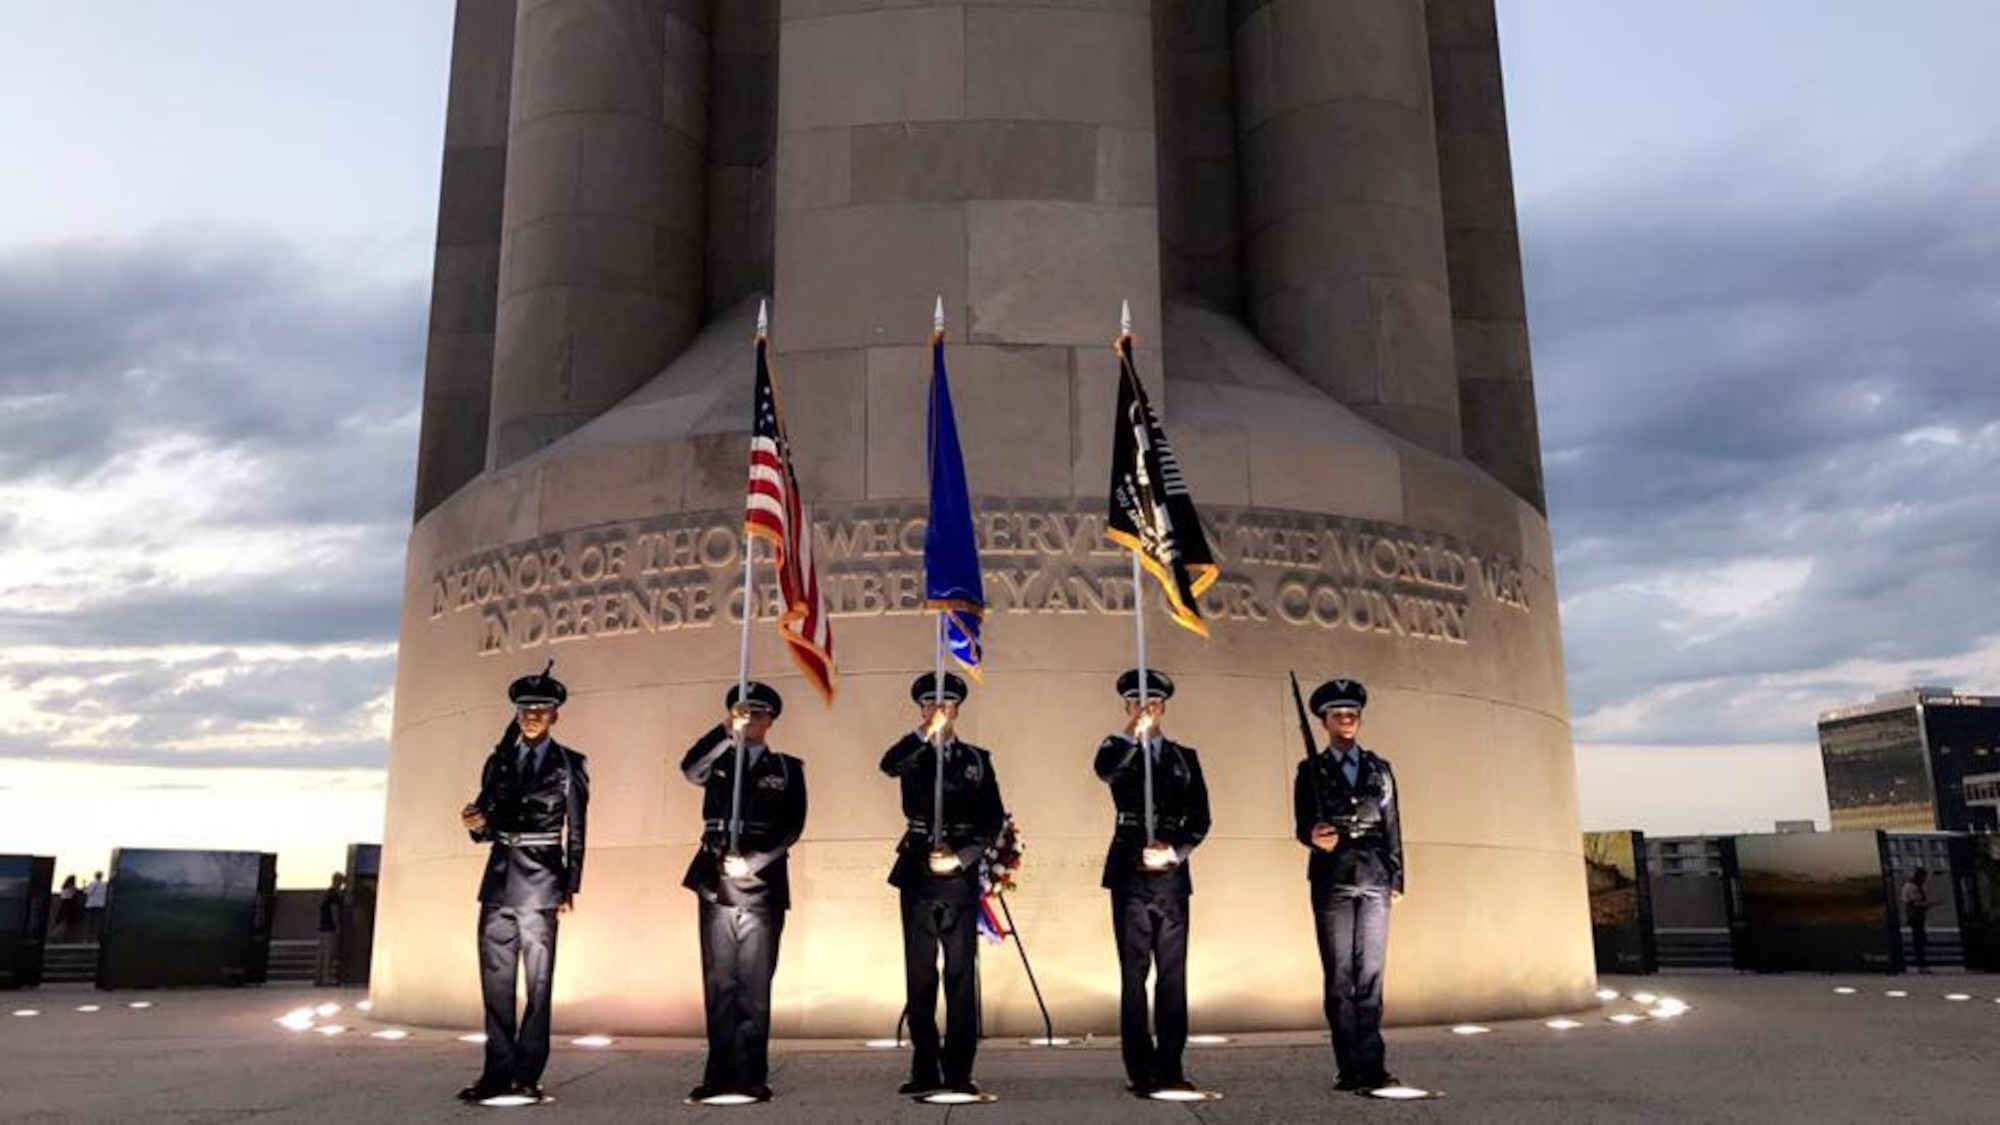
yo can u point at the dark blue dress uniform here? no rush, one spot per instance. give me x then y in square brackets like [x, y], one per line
[942, 911]
[1351, 885]
[536, 801]
[1149, 909]
[743, 918]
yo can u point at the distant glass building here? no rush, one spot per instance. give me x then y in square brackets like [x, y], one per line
[1922, 760]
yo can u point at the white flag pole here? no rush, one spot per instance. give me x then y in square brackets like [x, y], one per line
[938, 636]
[1138, 595]
[749, 609]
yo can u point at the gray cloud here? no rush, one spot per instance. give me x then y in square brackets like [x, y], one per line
[1794, 375]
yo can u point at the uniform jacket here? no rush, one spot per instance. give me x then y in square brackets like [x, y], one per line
[774, 817]
[1368, 814]
[553, 797]
[1180, 812]
[973, 815]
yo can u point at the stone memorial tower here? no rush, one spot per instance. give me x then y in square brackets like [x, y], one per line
[1308, 204]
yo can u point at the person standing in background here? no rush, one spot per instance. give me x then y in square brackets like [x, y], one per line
[332, 906]
[1916, 909]
[94, 897]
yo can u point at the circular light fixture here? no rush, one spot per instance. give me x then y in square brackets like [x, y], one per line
[729, 1099]
[327, 1010]
[957, 1097]
[1895, 994]
[1643, 998]
[508, 1101]
[592, 1041]
[299, 1020]
[1207, 1040]
[88, 1008]
[1051, 1041]
[1403, 1093]
[475, 1037]
[1562, 1024]
[884, 1044]
[1626, 1019]
[1843, 990]
[1184, 1096]
[1607, 994]
[25, 1012]
[1956, 996]
[1470, 1029]
[364, 1006]
[330, 1029]
[392, 1034]
[140, 1005]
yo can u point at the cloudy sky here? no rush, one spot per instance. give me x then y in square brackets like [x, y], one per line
[1763, 253]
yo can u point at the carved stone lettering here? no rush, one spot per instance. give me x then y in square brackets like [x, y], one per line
[685, 572]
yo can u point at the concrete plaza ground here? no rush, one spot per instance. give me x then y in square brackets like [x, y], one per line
[1764, 1049]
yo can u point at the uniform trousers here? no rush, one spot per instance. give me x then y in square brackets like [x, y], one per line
[928, 926]
[516, 941]
[1152, 931]
[1353, 928]
[739, 956]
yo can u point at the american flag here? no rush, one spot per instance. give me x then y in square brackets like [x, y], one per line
[774, 511]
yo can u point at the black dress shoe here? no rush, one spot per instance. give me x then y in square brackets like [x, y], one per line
[1178, 1085]
[1381, 1081]
[1349, 1084]
[759, 1093]
[965, 1086]
[917, 1087]
[702, 1093]
[481, 1090]
[1139, 1089]
[532, 1090]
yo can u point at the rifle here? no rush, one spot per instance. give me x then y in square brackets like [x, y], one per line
[1305, 724]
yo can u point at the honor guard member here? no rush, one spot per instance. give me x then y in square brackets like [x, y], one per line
[534, 794]
[1149, 882]
[937, 870]
[745, 889]
[1345, 808]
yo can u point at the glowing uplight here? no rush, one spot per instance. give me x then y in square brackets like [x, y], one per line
[1402, 1093]
[956, 1097]
[475, 1037]
[507, 1101]
[1643, 998]
[1562, 1024]
[1843, 990]
[25, 1012]
[1050, 1041]
[1184, 1095]
[1668, 1006]
[140, 1005]
[884, 1044]
[327, 1010]
[1207, 1040]
[1895, 994]
[729, 1099]
[1470, 1029]
[1661, 1013]
[1956, 996]
[392, 1034]
[88, 1008]
[592, 1041]
[365, 1006]
[1625, 1019]
[330, 1029]
[298, 1019]
[1607, 994]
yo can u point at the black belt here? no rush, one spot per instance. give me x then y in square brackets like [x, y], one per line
[743, 827]
[919, 825]
[1134, 820]
[528, 839]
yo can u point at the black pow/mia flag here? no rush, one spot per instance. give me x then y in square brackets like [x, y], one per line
[1152, 513]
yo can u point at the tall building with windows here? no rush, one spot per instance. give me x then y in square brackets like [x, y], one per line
[1926, 759]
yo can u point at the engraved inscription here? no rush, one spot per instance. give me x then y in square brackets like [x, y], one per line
[686, 572]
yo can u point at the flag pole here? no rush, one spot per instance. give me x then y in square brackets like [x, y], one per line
[749, 608]
[938, 635]
[1138, 593]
